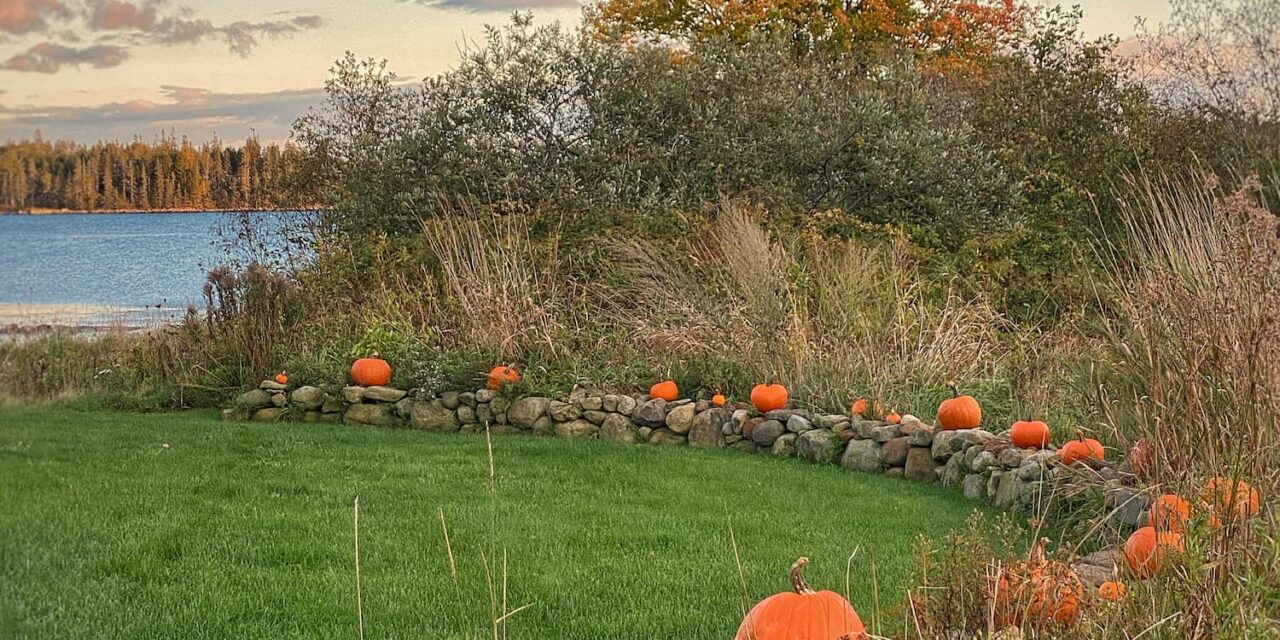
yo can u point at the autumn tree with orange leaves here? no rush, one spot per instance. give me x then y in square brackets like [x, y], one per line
[945, 32]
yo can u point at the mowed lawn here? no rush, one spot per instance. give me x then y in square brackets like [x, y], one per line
[245, 531]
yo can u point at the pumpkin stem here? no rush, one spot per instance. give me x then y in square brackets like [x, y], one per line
[797, 577]
[955, 389]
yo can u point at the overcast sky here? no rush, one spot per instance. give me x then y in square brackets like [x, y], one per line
[112, 69]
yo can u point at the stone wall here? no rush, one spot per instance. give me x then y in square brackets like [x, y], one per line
[982, 464]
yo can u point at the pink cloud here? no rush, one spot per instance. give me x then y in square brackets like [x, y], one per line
[115, 15]
[22, 16]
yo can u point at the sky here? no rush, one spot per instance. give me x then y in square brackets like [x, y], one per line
[90, 70]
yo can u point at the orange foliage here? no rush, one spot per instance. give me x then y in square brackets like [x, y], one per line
[949, 33]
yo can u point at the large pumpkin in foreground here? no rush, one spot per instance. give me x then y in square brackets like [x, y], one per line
[371, 371]
[767, 397]
[959, 412]
[803, 615]
[1039, 591]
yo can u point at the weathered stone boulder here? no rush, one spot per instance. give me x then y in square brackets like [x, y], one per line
[626, 405]
[255, 399]
[577, 429]
[975, 486]
[818, 445]
[863, 455]
[947, 444]
[466, 415]
[885, 433]
[920, 465]
[651, 413]
[385, 394]
[563, 411]
[798, 424]
[894, 452]
[353, 394]
[485, 395]
[279, 400]
[618, 428]
[451, 399]
[680, 418]
[431, 416]
[236, 414]
[376, 415]
[526, 411]
[592, 403]
[272, 385]
[307, 398]
[708, 428]
[953, 473]
[921, 436]
[784, 446]
[544, 426]
[269, 414]
[766, 432]
[666, 437]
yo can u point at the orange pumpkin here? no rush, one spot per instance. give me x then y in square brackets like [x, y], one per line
[718, 400]
[1228, 500]
[1169, 512]
[282, 377]
[767, 397]
[1142, 460]
[667, 390]
[1112, 591]
[1082, 449]
[859, 407]
[371, 371]
[893, 418]
[1038, 591]
[502, 374]
[959, 412]
[1147, 549]
[802, 614]
[1030, 434]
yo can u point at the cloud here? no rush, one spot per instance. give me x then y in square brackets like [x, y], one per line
[192, 111]
[48, 57]
[24, 16]
[504, 6]
[113, 25]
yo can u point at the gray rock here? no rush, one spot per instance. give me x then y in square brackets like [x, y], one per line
[577, 394]
[431, 416]
[466, 415]
[953, 472]
[1007, 491]
[1032, 473]
[745, 445]
[592, 403]
[618, 428]
[269, 414]
[236, 414]
[279, 400]
[467, 398]
[976, 436]
[272, 385]
[378, 415]
[543, 426]
[732, 438]
[818, 445]
[1091, 575]
[832, 421]
[332, 406]
[784, 446]
[894, 472]
[626, 405]
[651, 413]
[317, 416]
[666, 437]
[1131, 507]
[596, 417]
[255, 399]
[643, 433]
[894, 452]
[766, 432]
[609, 402]
[922, 436]
[781, 415]
[920, 465]
[1108, 559]
[577, 429]
[798, 424]
[385, 394]
[1012, 457]
[563, 411]
[525, 411]
[709, 428]
[485, 395]
[740, 417]
[680, 419]
[862, 428]
[484, 414]
[307, 398]
[947, 444]
[975, 486]
[451, 399]
[983, 461]
[863, 455]
[885, 433]
[404, 408]
[353, 394]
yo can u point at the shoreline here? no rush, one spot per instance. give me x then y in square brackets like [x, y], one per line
[60, 212]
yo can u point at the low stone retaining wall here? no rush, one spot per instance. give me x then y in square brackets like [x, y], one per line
[984, 465]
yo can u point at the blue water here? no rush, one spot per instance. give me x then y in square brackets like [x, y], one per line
[147, 265]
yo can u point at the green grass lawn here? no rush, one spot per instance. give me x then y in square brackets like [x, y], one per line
[245, 531]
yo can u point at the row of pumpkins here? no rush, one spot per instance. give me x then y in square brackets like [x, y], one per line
[1038, 590]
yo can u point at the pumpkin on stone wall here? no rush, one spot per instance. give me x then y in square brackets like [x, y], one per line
[959, 412]
[371, 371]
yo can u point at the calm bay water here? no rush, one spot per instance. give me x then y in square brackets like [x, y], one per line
[94, 269]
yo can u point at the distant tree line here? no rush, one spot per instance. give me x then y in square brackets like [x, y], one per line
[168, 174]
